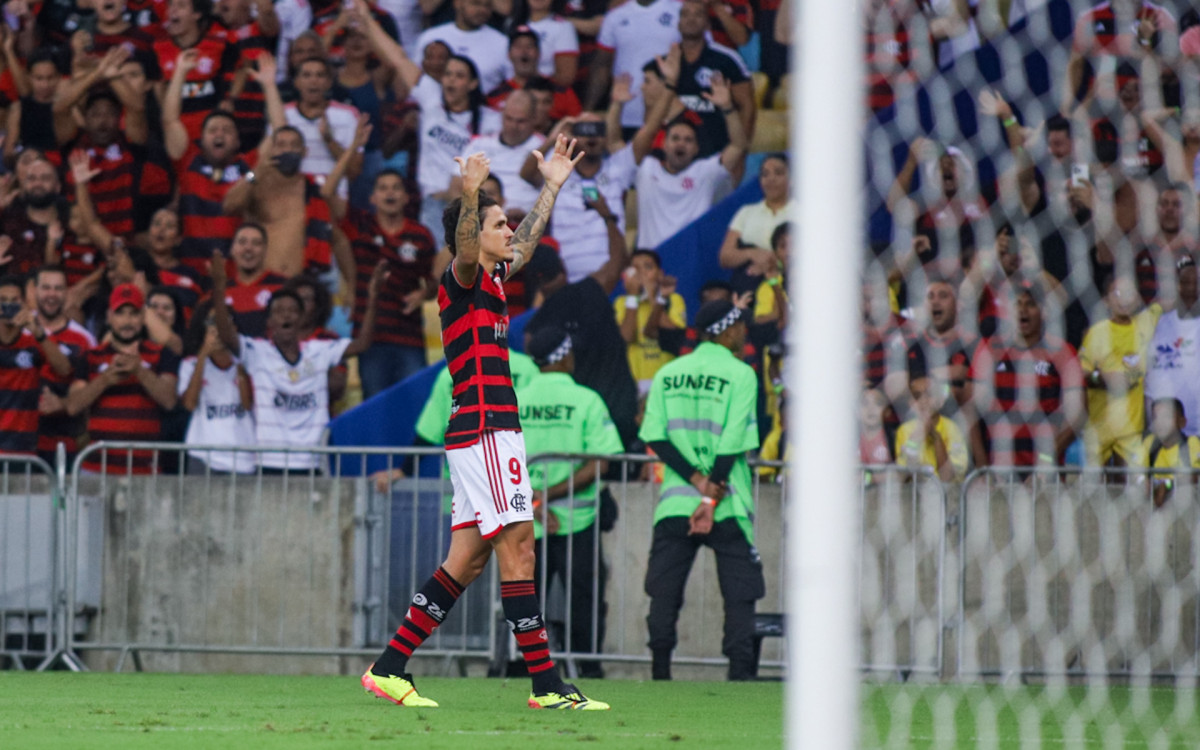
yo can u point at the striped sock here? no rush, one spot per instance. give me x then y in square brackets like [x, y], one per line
[429, 607]
[524, 616]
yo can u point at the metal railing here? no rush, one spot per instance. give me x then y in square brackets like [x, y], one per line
[29, 561]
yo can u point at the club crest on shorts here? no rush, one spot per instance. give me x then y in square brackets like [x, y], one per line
[518, 502]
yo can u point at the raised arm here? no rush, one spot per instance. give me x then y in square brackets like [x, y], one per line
[221, 317]
[475, 169]
[366, 332]
[82, 171]
[74, 89]
[733, 157]
[54, 356]
[609, 274]
[391, 53]
[555, 171]
[337, 204]
[668, 66]
[264, 72]
[175, 133]
[529, 170]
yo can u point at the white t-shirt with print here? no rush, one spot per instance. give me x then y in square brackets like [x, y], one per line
[219, 418]
[291, 399]
[637, 34]
[444, 135]
[506, 163]
[556, 36]
[319, 161]
[669, 202]
[581, 233]
[486, 47]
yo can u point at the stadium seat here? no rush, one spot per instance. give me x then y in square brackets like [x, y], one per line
[761, 82]
[770, 132]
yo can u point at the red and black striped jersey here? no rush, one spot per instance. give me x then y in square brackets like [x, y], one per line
[564, 104]
[125, 412]
[250, 107]
[248, 303]
[189, 286]
[1027, 387]
[125, 176]
[138, 41]
[208, 83]
[149, 16]
[77, 259]
[28, 249]
[409, 253]
[475, 337]
[318, 230]
[74, 341]
[202, 189]
[20, 385]
[1096, 30]
[890, 54]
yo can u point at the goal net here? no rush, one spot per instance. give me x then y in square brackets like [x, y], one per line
[1028, 567]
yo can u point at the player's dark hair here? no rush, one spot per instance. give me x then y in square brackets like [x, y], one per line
[475, 97]
[450, 218]
[322, 301]
[250, 225]
[645, 253]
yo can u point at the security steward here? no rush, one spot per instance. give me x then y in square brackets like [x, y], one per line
[560, 416]
[701, 420]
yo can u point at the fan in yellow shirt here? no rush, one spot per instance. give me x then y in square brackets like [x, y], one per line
[1166, 447]
[650, 304]
[930, 439]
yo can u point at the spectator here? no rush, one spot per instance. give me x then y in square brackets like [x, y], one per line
[253, 285]
[54, 424]
[930, 439]
[370, 88]
[650, 304]
[291, 386]
[771, 303]
[27, 117]
[208, 169]
[560, 416]
[682, 185]
[700, 419]
[1015, 429]
[452, 109]
[190, 25]
[508, 151]
[288, 206]
[24, 349]
[891, 50]
[702, 61]
[557, 41]
[558, 101]
[1156, 261]
[126, 385]
[747, 242]
[316, 304]
[1113, 358]
[165, 323]
[252, 26]
[468, 36]
[583, 310]
[304, 47]
[387, 235]
[26, 221]
[115, 29]
[216, 390]
[631, 35]
[1174, 366]
[1167, 447]
[103, 76]
[187, 285]
[875, 444]
[1111, 31]
[327, 126]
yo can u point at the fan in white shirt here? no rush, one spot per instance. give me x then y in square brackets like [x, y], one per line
[558, 43]
[214, 388]
[631, 35]
[508, 151]
[470, 36]
[327, 126]
[290, 375]
[452, 113]
[677, 188]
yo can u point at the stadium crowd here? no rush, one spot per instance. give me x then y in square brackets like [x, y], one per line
[1030, 296]
[227, 217]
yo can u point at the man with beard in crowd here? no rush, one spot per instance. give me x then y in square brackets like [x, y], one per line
[24, 349]
[55, 425]
[25, 224]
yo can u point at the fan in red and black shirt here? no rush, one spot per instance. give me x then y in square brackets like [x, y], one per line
[114, 28]
[252, 285]
[125, 386]
[207, 83]
[1028, 392]
[55, 425]
[26, 222]
[254, 35]
[187, 284]
[399, 347]
[483, 442]
[24, 349]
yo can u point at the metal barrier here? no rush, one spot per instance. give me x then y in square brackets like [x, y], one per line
[220, 567]
[1074, 573]
[29, 561]
[902, 557]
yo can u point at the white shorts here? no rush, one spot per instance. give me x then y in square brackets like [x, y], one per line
[491, 483]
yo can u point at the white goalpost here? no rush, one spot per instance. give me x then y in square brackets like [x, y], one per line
[822, 693]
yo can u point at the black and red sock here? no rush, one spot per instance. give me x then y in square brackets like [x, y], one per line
[429, 607]
[524, 615]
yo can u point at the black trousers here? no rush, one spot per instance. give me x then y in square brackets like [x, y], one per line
[739, 571]
[587, 569]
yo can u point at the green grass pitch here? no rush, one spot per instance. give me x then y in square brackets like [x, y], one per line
[101, 710]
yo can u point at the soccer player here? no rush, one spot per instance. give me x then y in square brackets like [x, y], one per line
[493, 500]
[701, 419]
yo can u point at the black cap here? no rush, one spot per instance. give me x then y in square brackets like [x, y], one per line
[548, 345]
[716, 316]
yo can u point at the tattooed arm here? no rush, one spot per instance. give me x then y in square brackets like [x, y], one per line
[466, 236]
[555, 171]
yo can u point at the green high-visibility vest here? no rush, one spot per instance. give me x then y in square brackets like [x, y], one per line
[705, 404]
[560, 416]
[431, 424]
